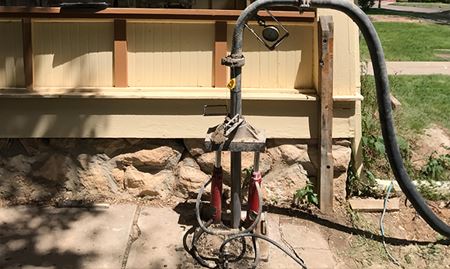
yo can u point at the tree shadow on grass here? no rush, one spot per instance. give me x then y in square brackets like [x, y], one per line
[37, 237]
[438, 17]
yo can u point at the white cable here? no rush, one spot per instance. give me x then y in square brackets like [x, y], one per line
[388, 192]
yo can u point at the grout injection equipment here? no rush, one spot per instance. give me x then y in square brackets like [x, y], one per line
[236, 135]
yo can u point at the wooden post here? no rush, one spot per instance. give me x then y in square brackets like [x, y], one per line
[120, 53]
[326, 113]
[27, 44]
[220, 51]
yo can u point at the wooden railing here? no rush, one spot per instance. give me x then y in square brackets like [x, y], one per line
[146, 13]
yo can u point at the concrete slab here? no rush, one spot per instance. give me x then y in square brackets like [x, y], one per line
[32, 237]
[415, 68]
[304, 237]
[160, 243]
[307, 241]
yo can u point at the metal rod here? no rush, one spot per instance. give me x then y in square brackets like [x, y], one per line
[236, 189]
[256, 162]
[235, 94]
[218, 162]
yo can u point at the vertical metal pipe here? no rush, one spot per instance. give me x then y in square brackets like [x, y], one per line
[256, 162]
[236, 101]
[235, 189]
[235, 94]
[236, 108]
[218, 162]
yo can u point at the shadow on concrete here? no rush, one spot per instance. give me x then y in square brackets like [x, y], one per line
[30, 237]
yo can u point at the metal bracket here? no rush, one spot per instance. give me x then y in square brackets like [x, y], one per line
[261, 22]
[235, 135]
[232, 124]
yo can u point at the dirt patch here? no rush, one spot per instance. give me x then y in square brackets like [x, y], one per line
[355, 238]
[435, 141]
[443, 56]
[442, 53]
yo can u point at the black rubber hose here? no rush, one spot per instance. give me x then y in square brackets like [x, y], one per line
[264, 238]
[385, 110]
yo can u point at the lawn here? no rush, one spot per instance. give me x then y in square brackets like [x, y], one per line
[442, 6]
[425, 100]
[404, 41]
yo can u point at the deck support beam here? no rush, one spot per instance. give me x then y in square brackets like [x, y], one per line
[326, 192]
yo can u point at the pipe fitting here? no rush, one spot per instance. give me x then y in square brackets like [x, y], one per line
[233, 61]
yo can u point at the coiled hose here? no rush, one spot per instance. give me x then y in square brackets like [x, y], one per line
[385, 110]
[234, 234]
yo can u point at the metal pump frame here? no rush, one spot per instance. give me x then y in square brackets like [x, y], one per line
[236, 61]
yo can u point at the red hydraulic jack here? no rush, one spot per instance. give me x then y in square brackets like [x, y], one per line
[253, 197]
[216, 188]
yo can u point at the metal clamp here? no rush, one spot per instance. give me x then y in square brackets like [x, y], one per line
[305, 4]
[232, 124]
[233, 61]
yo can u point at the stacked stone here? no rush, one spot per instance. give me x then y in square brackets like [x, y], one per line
[35, 169]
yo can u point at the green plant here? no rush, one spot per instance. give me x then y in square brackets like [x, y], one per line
[437, 167]
[307, 195]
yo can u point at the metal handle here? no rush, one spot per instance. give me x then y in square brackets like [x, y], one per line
[84, 5]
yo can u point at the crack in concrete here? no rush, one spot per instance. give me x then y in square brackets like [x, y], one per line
[135, 232]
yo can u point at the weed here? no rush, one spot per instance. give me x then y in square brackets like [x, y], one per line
[437, 167]
[306, 196]
[430, 192]
[425, 101]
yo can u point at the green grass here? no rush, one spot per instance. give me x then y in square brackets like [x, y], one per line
[442, 6]
[425, 100]
[411, 41]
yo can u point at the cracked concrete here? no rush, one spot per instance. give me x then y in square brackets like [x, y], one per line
[129, 237]
[33, 237]
[134, 234]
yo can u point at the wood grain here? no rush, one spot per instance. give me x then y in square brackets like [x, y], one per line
[326, 113]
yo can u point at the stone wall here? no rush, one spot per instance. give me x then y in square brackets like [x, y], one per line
[54, 169]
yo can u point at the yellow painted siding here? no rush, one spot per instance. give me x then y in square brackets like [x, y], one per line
[289, 66]
[170, 54]
[73, 53]
[11, 51]
[156, 118]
